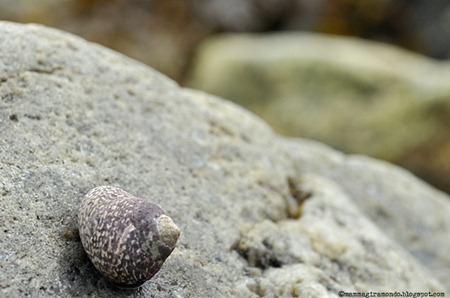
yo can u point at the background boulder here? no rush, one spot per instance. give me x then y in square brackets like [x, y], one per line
[357, 96]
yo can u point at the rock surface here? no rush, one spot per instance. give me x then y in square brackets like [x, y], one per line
[259, 214]
[357, 96]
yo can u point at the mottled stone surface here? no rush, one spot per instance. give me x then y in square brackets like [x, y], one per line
[74, 115]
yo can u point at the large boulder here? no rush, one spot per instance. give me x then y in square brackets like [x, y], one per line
[260, 215]
[357, 96]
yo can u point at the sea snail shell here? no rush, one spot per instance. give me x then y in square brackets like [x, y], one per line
[127, 238]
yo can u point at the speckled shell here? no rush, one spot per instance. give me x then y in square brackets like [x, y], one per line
[127, 238]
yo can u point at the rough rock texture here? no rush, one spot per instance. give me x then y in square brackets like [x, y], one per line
[260, 215]
[357, 96]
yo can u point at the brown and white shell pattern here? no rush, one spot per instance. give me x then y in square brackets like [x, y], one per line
[127, 238]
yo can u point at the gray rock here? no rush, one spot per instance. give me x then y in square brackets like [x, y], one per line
[405, 208]
[357, 96]
[259, 214]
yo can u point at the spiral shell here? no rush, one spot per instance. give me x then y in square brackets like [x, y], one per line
[127, 238]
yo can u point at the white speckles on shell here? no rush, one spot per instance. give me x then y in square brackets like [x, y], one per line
[126, 238]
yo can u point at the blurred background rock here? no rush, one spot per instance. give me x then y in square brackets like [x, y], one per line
[357, 97]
